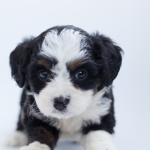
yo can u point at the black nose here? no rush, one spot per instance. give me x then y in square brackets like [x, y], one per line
[60, 103]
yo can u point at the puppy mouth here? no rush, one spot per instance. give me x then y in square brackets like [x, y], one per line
[60, 112]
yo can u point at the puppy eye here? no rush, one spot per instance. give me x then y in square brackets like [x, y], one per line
[43, 75]
[81, 74]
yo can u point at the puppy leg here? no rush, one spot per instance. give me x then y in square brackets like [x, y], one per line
[98, 140]
[41, 136]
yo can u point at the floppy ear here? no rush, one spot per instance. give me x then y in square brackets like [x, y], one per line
[108, 57]
[19, 59]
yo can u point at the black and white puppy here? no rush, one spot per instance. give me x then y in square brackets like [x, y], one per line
[67, 76]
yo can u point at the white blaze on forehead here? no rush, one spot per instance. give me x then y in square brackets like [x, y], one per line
[66, 46]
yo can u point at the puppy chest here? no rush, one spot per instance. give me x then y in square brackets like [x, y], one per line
[71, 125]
[70, 129]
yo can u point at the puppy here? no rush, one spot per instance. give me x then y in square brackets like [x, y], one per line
[66, 75]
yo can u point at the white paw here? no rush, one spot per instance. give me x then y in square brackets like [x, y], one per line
[35, 146]
[98, 140]
[15, 139]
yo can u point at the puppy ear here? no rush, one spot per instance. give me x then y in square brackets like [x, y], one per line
[19, 59]
[108, 57]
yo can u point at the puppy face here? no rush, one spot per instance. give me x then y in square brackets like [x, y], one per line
[64, 77]
[64, 68]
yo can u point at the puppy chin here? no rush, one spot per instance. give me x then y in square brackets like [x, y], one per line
[61, 114]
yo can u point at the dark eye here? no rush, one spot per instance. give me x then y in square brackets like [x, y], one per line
[81, 74]
[43, 75]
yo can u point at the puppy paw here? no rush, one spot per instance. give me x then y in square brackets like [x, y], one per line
[35, 146]
[15, 139]
[98, 140]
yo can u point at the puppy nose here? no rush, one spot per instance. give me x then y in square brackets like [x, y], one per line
[60, 103]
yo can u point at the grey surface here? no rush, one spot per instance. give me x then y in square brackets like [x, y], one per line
[60, 146]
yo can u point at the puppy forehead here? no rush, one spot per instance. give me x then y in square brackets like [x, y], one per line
[69, 45]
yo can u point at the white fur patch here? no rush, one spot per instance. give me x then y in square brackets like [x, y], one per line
[35, 146]
[29, 93]
[15, 139]
[98, 140]
[69, 45]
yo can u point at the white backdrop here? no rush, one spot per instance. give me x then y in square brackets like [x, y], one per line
[126, 22]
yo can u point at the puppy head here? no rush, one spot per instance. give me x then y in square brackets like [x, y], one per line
[64, 68]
